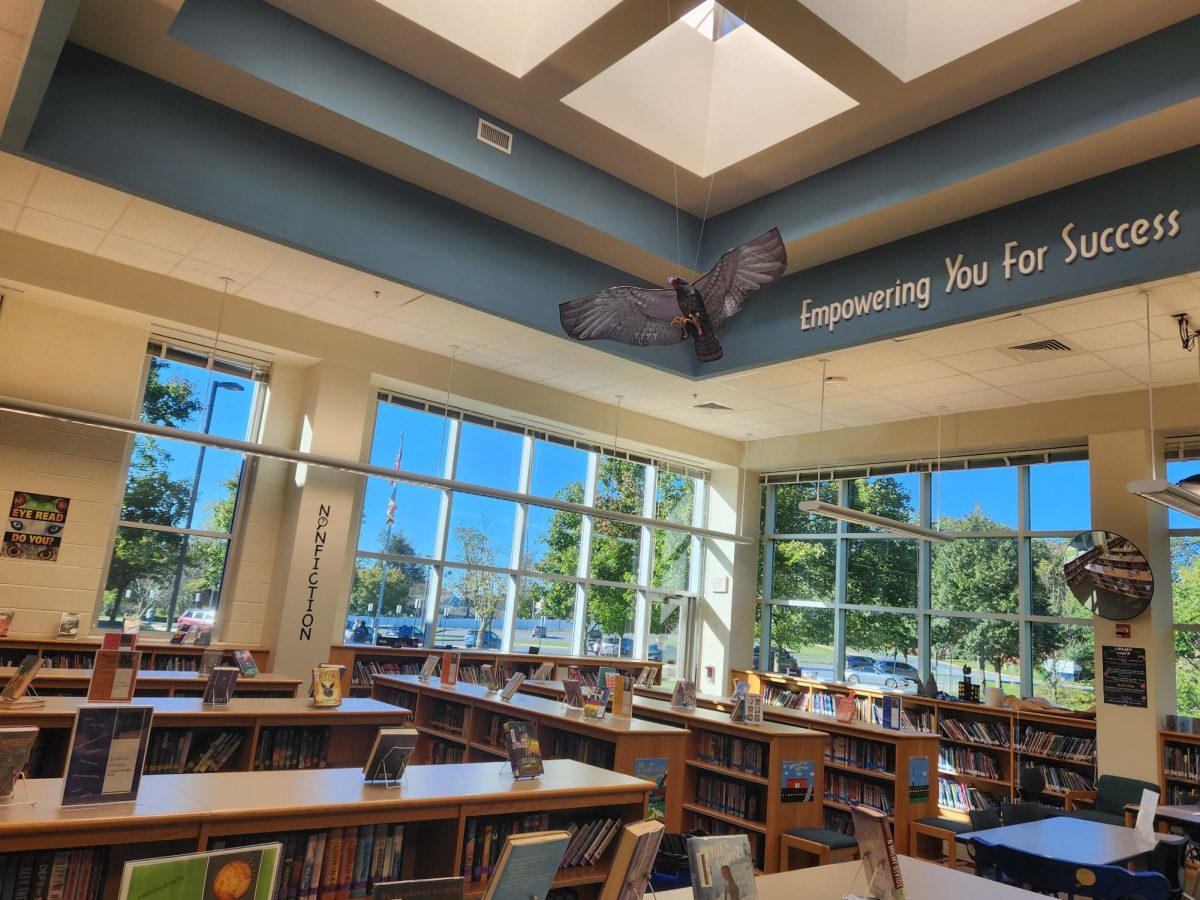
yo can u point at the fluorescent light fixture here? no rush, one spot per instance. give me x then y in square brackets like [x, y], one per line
[1174, 496]
[301, 458]
[858, 517]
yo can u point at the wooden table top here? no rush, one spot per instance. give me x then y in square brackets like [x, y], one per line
[1076, 840]
[149, 675]
[291, 708]
[922, 881]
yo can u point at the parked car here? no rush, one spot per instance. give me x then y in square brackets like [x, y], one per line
[491, 640]
[400, 635]
[196, 618]
[655, 654]
[614, 645]
[871, 675]
[896, 667]
[540, 631]
[854, 660]
[359, 632]
[779, 661]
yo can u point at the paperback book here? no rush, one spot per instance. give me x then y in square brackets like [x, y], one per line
[450, 663]
[524, 750]
[247, 873]
[114, 676]
[511, 687]
[542, 672]
[572, 695]
[107, 753]
[845, 708]
[68, 626]
[629, 873]
[684, 695]
[390, 753]
[419, 889]
[122, 641]
[14, 692]
[879, 862]
[622, 697]
[131, 625]
[327, 685]
[219, 687]
[202, 635]
[606, 677]
[16, 745]
[722, 868]
[209, 660]
[245, 663]
[645, 676]
[427, 668]
[487, 675]
[596, 704]
[527, 866]
[179, 634]
[6, 618]
[754, 709]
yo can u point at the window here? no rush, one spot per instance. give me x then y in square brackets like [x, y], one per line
[1185, 588]
[460, 570]
[994, 599]
[178, 516]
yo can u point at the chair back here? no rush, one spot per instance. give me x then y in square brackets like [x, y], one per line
[1032, 784]
[1016, 813]
[983, 819]
[1115, 792]
[1168, 858]
[1056, 876]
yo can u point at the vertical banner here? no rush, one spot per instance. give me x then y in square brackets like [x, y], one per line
[35, 526]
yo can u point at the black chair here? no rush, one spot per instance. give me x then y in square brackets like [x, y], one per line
[1055, 876]
[1031, 784]
[1018, 813]
[984, 819]
[1168, 858]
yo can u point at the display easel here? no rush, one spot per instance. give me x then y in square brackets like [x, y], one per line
[10, 799]
[389, 782]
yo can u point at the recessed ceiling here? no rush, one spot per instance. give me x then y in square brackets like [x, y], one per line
[707, 104]
[914, 37]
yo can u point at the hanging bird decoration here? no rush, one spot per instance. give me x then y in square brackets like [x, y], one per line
[648, 317]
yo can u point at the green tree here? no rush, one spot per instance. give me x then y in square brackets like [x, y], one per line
[404, 584]
[483, 592]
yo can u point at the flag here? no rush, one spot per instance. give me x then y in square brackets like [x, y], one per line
[391, 507]
[391, 511]
[399, 455]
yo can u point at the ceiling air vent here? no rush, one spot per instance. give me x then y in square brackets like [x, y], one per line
[720, 407]
[1038, 350]
[494, 136]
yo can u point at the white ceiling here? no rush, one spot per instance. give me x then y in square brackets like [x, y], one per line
[959, 368]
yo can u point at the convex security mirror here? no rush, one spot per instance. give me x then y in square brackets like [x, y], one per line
[1109, 575]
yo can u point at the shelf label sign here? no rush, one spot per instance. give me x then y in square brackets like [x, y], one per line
[35, 526]
[796, 781]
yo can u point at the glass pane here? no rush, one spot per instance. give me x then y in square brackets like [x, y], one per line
[1050, 595]
[184, 396]
[620, 485]
[788, 517]
[1064, 664]
[881, 572]
[1176, 472]
[886, 645]
[413, 514]
[545, 615]
[672, 560]
[558, 472]
[481, 531]
[1187, 672]
[552, 541]
[976, 499]
[409, 439]
[667, 618]
[615, 551]
[801, 642]
[1185, 579]
[989, 647]
[489, 456]
[163, 475]
[804, 570]
[891, 496]
[609, 621]
[1060, 497]
[675, 500]
[387, 603]
[978, 574]
[472, 611]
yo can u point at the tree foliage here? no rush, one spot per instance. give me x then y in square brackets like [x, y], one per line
[404, 584]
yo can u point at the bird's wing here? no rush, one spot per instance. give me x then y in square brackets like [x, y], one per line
[740, 272]
[631, 315]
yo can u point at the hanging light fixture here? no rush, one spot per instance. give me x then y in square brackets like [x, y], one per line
[1185, 496]
[820, 507]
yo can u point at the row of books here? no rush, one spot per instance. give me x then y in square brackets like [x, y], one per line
[776, 696]
[961, 797]
[484, 840]
[991, 733]
[74, 659]
[494, 733]
[59, 874]
[838, 820]
[1181, 762]
[717, 827]
[864, 754]
[1064, 779]
[735, 798]
[364, 668]
[1182, 724]
[445, 752]
[964, 761]
[1053, 743]
[568, 745]
[732, 752]
[450, 717]
[173, 750]
[293, 748]
[332, 865]
[848, 789]
[1178, 795]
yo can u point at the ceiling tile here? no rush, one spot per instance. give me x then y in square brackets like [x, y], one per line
[488, 358]
[1091, 313]
[480, 328]
[360, 290]
[1075, 364]
[895, 376]
[237, 252]
[985, 399]
[208, 276]
[565, 381]
[441, 344]
[534, 344]
[161, 226]
[311, 274]
[785, 375]
[1107, 337]
[613, 370]
[271, 294]
[1161, 352]
[955, 384]
[772, 413]
[1004, 332]
[796, 393]
[16, 176]
[74, 198]
[837, 401]
[390, 329]
[135, 253]
[979, 361]
[650, 404]
[1076, 385]
[571, 358]
[532, 371]
[334, 313]
[17, 21]
[868, 358]
[57, 230]
[869, 415]
[1176, 371]
[427, 311]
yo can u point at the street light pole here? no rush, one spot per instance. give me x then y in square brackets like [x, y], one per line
[173, 598]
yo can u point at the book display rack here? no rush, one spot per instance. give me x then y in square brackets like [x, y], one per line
[156, 655]
[157, 683]
[461, 723]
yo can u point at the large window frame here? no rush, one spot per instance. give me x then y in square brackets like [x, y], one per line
[924, 612]
[443, 568]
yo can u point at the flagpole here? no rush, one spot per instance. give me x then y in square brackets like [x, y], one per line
[387, 539]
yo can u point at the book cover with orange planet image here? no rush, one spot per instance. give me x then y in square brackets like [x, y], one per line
[244, 873]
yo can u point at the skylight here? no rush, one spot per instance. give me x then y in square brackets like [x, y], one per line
[712, 20]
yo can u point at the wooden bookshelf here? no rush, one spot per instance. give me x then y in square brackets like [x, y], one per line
[981, 748]
[74, 683]
[186, 813]
[752, 757]
[257, 724]
[1178, 765]
[363, 661]
[463, 722]
[156, 655]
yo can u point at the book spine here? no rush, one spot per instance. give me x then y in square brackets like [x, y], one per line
[469, 851]
[58, 875]
[41, 874]
[349, 860]
[329, 865]
[378, 852]
[310, 858]
[398, 855]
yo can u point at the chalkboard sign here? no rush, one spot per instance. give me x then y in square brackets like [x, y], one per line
[1124, 676]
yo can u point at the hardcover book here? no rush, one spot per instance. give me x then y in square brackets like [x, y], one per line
[575, 673]
[14, 692]
[596, 704]
[684, 695]
[114, 676]
[219, 687]
[879, 861]
[114, 641]
[645, 676]
[845, 707]
[722, 868]
[246, 873]
[629, 873]
[418, 889]
[390, 754]
[510, 688]
[245, 662]
[106, 755]
[524, 750]
[6, 617]
[327, 685]
[450, 662]
[754, 709]
[891, 713]
[572, 695]
[179, 634]
[202, 635]
[68, 626]
[527, 866]
[131, 625]
[487, 675]
[606, 677]
[209, 660]
[431, 662]
[542, 672]
[737, 712]
[16, 744]
[622, 697]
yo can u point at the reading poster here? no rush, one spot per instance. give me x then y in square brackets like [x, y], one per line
[796, 781]
[35, 526]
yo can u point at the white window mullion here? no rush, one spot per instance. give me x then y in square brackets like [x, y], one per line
[583, 570]
[520, 524]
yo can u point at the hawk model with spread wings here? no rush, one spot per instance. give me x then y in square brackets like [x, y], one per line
[648, 317]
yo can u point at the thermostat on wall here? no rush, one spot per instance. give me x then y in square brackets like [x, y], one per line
[719, 584]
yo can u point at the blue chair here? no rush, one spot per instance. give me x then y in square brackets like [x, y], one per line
[1056, 876]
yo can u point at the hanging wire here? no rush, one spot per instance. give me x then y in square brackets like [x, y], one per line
[1150, 388]
[617, 422]
[454, 348]
[821, 428]
[937, 506]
